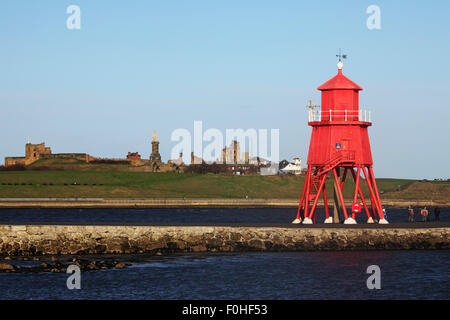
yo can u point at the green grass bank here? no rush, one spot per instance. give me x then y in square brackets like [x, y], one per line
[142, 185]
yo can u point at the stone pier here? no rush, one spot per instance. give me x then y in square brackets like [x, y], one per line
[27, 240]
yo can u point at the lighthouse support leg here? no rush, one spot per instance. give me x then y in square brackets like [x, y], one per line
[362, 197]
[322, 183]
[341, 197]
[373, 208]
[355, 197]
[382, 219]
[336, 209]
[344, 176]
[306, 200]
[302, 197]
[325, 203]
[369, 217]
[375, 194]
[373, 198]
[375, 188]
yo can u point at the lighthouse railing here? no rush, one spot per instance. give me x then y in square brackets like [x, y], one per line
[315, 115]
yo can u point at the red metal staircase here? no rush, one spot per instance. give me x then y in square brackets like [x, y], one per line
[319, 171]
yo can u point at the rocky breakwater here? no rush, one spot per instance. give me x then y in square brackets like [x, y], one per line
[36, 240]
[20, 265]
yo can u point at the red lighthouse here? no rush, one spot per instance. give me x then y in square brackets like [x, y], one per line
[339, 149]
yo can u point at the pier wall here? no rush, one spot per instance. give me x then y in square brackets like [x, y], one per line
[96, 239]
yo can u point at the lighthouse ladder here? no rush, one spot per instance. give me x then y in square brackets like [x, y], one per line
[330, 164]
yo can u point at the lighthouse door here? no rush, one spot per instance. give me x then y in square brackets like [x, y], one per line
[346, 152]
[345, 146]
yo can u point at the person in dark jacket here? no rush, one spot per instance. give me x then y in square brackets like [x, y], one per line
[437, 212]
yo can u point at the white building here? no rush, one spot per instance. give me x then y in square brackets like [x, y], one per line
[295, 166]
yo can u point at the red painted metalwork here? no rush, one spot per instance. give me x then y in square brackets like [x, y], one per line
[325, 202]
[339, 139]
[366, 209]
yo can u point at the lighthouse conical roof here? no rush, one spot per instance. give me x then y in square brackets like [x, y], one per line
[339, 82]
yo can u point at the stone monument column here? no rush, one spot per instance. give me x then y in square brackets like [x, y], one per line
[155, 156]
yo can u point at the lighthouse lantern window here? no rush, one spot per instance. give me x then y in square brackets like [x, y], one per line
[338, 145]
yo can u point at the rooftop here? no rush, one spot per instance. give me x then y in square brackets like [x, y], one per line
[339, 82]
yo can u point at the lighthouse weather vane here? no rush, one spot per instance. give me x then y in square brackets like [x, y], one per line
[341, 56]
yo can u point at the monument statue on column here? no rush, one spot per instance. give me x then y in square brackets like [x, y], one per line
[155, 157]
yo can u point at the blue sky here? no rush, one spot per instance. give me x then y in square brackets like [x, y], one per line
[136, 66]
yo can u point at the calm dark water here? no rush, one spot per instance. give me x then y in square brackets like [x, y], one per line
[299, 275]
[211, 215]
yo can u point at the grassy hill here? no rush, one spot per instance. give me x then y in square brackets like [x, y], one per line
[141, 185]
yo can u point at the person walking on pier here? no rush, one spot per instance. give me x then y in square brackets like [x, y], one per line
[411, 213]
[437, 212]
[424, 213]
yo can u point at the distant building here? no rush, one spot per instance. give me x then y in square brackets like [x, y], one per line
[177, 162]
[246, 157]
[232, 154]
[294, 167]
[258, 161]
[34, 152]
[134, 156]
[195, 159]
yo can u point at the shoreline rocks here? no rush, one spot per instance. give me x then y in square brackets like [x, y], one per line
[6, 266]
[61, 267]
